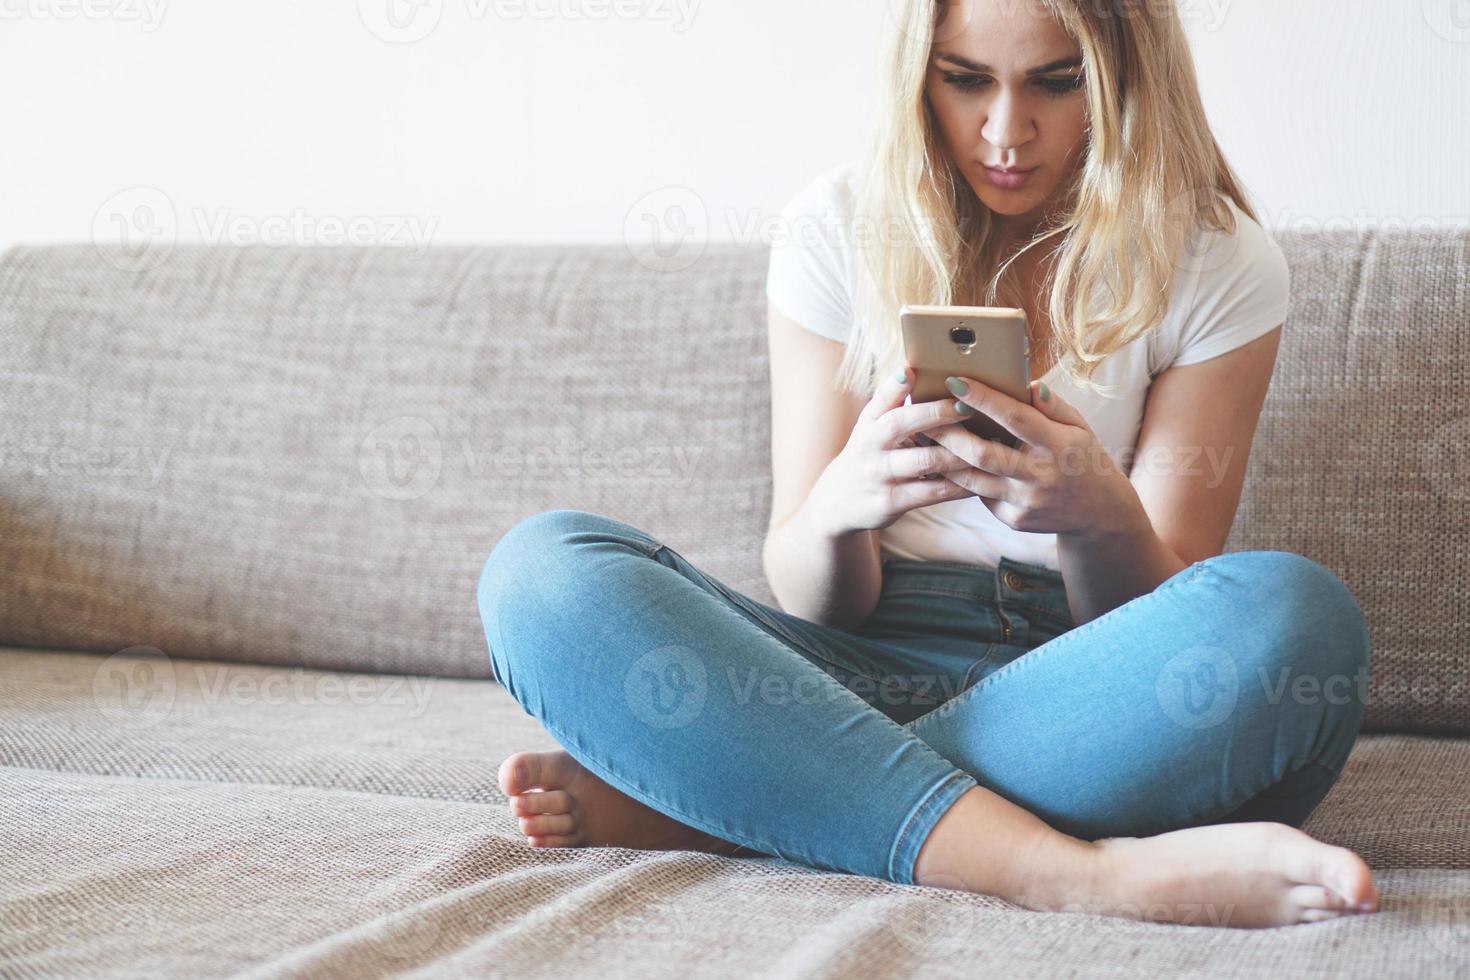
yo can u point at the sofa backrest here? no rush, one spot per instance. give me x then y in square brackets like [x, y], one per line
[302, 456]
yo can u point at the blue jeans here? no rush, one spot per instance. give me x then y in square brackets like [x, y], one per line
[1233, 691]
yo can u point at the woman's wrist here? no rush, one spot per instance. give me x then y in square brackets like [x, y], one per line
[822, 513]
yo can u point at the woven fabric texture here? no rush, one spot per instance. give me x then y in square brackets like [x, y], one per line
[165, 816]
[303, 456]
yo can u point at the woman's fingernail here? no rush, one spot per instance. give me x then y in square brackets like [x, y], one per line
[955, 385]
[902, 376]
[1045, 392]
[963, 409]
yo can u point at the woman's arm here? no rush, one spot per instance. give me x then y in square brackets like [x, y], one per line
[1189, 467]
[819, 572]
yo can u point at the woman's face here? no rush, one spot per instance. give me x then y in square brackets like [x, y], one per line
[1005, 83]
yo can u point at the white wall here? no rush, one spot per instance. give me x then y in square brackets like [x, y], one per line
[566, 120]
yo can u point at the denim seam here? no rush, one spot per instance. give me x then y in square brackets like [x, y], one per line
[735, 598]
[920, 809]
[920, 590]
[1040, 611]
[827, 657]
[818, 650]
[1030, 657]
[963, 566]
[1050, 576]
[968, 680]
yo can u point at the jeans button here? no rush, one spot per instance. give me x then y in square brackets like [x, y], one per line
[1014, 581]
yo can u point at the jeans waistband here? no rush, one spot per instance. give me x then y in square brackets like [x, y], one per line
[1008, 579]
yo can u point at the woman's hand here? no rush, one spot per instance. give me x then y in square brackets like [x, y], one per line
[1060, 481]
[879, 474]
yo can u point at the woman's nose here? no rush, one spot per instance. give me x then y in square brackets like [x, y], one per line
[1007, 124]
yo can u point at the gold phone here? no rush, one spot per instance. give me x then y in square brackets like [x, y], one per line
[987, 343]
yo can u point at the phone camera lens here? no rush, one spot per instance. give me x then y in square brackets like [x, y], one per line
[963, 336]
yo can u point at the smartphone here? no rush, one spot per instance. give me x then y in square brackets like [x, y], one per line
[987, 343]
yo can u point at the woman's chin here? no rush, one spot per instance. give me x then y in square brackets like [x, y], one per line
[1010, 205]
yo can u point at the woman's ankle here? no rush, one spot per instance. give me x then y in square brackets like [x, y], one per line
[1059, 872]
[986, 844]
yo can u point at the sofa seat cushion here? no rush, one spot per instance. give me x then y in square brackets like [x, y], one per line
[283, 822]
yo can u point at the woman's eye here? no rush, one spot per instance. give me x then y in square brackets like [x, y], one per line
[966, 83]
[1060, 85]
[1063, 85]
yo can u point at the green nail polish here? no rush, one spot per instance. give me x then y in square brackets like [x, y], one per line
[1045, 393]
[955, 385]
[963, 409]
[902, 376]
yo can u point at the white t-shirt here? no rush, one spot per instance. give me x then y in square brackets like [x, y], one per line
[1229, 290]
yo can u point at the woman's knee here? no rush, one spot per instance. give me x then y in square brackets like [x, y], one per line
[538, 547]
[540, 563]
[520, 567]
[1314, 636]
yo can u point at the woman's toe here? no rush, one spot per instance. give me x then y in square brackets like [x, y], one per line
[1318, 900]
[549, 825]
[547, 801]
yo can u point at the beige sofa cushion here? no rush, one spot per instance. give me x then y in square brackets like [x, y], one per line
[264, 822]
[303, 456]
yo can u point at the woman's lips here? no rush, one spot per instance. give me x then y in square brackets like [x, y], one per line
[1008, 180]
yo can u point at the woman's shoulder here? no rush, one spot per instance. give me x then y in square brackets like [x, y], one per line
[1247, 250]
[812, 262]
[829, 193]
[1231, 285]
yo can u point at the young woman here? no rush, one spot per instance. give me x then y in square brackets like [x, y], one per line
[1026, 672]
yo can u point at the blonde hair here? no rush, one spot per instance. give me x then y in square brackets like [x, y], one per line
[1150, 174]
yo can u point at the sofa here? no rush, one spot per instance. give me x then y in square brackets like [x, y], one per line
[247, 721]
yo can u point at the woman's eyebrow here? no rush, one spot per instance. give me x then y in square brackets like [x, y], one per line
[1060, 63]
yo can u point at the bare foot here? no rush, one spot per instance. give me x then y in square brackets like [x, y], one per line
[560, 803]
[1243, 875]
